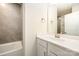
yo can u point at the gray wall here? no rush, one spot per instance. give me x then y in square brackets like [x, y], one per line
[10, 23]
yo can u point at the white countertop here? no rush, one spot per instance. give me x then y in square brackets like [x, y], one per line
[71, 44]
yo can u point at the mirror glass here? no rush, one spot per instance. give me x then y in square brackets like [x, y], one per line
[68, 20]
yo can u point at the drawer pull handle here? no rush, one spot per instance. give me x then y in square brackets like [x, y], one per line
[44, 53]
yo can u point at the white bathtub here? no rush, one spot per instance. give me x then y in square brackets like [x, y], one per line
[11, 49]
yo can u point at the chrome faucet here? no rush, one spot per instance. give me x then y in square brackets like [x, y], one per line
[57, 35]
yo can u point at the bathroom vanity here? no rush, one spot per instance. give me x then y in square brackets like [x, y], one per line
[48, 45]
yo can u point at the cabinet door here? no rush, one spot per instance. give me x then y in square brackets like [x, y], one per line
[41, 51]
[60, 51]
[51, 54]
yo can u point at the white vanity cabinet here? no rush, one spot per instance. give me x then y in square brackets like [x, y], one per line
[45, 48]
[41, 47]
[60, 51]
[41, 51]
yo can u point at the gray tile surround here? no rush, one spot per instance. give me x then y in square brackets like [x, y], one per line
[10, 23]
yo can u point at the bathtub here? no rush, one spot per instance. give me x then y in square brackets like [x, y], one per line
[11, 49]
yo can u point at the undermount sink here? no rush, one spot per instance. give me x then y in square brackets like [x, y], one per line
[65, 39]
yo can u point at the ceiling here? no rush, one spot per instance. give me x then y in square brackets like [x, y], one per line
[63, 9]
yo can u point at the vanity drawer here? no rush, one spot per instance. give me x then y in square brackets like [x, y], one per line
[60, 51]
[42, 43]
